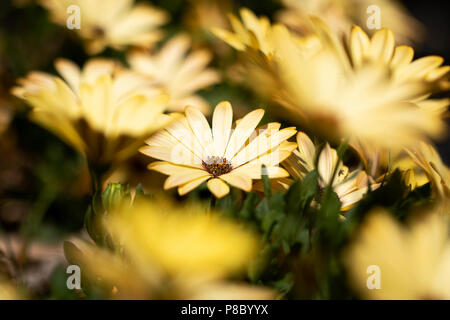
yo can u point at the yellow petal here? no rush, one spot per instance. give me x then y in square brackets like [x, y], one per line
[254, 171]
[166, 167]
[359, 45]
[218, 188]
[307, 150]
[200, 128]
[243, 131]
[325, 166]
[262, 144]
[186, 176]
[420, 67]
[239, 180]
[70, 72]
[229, 38]
[191, 185]
[177, 154]
[181, 130]
[403, 55]
[221, 126]
[382, 45]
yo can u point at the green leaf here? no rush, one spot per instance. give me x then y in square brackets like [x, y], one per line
[71, 252]
[266, 181]
[249, 205]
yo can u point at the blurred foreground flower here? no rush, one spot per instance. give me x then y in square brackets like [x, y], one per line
[341, 15]
[165, 252]
[350, 187]
[180, 73]
[413, 263]
[8, 291]
[202, 15]
[103, 111]
[428, 159]
[114, 23]
[193, 153]
[381, 101]
[253, 33]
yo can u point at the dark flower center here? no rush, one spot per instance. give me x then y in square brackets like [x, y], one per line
[217, 166]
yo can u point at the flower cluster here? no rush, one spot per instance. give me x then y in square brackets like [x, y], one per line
[297, 198]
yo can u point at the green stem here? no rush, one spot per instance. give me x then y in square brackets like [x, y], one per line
[46, 198]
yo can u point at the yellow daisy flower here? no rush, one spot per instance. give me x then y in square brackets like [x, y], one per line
[114, 23]
[380, 48]
[181, 73]
[202, 15]
[193, 153]
[184, 241]
[357, 104]
[389, 261]
[253, 32]
[429, 160]
[103, 111]
[315, 80]
[8, 291]
[341, 15]
[172, 253]
[350, 187]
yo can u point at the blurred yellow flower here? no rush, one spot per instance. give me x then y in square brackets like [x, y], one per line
[203, 15]
[380, 48]
[350, 187]
[339, 96]
[185, 241]
[114, 23]
[342, 14]
[411, 263]
[253, 32]
[172, 252]
[8, 291]
[104, 111]
[352, 103]
[429, 160]
[193, 153]
[181, 73]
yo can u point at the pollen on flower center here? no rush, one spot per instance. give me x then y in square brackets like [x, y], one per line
[217, 166]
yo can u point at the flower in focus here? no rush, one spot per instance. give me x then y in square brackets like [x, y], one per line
[181, 73]
[341, 15]
[172, 252]
[114, 23]
[103, 111]
[350, 187]
[193, 153]
[413, 262]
